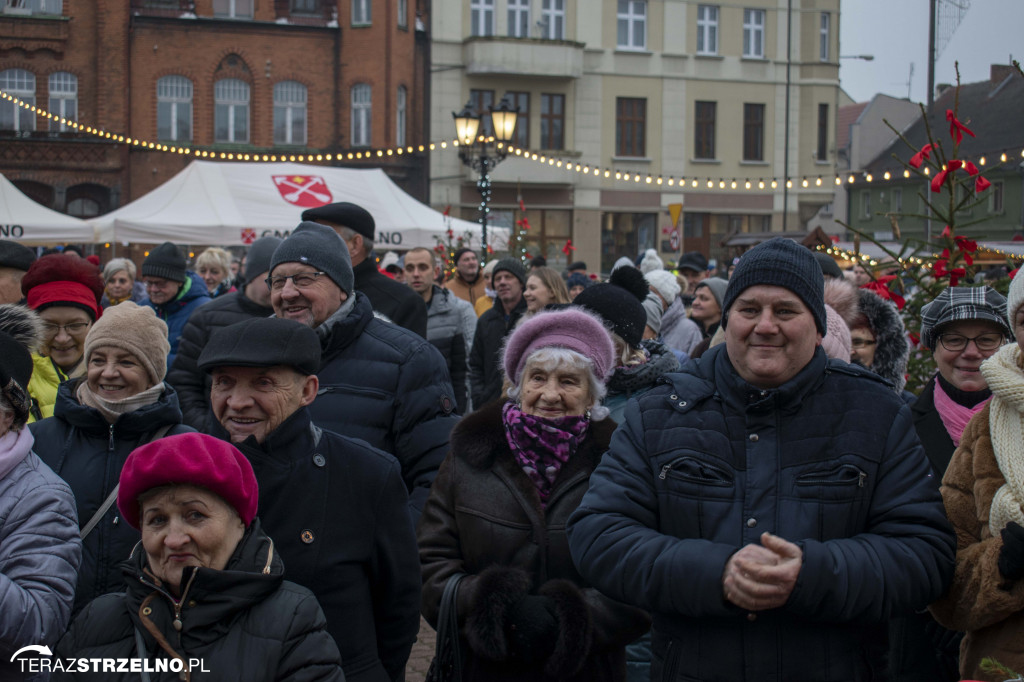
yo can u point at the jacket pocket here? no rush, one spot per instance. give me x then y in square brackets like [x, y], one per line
[840, 482]
[691, 474]
[349, 389]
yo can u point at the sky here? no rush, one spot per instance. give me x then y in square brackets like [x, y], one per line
[895, 32]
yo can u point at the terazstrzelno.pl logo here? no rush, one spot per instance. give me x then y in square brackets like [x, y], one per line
[45, 662]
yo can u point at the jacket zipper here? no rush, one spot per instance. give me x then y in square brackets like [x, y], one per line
[861, 476]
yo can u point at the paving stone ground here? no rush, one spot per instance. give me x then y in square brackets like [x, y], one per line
[422, 654]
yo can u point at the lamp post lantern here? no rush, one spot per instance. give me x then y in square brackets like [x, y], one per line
[482, 153]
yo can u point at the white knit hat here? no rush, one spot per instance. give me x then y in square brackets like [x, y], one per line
[1014, 298]
[651, 262]
[664, 283]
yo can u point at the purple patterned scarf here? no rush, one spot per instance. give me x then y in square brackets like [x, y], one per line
[541, 446]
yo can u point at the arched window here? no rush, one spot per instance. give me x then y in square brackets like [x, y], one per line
[290, 113]
[400, 116]
[63, 99]
[174, 109]
[361, 111]
[231, 110]
[21, 84]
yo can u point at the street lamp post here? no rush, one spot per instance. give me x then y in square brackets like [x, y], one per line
[482, 153]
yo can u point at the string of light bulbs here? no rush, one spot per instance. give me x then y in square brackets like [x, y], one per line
[607, 173]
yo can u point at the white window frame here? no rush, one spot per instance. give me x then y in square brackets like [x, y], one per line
[63, 88]
[231, 93]
[233, 9]
[631, 15]
[176, 91]
[290, 99]
[403, 13]
[753, 33]
[518, 18]
[362, 12]
[997, 197]
[401, 115]
[825, 35]
[362, 110]
[21, 84]
[552, 15]
[481, 17]
[707, 29]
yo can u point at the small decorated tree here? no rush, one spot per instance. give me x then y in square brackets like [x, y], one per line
[448, 244]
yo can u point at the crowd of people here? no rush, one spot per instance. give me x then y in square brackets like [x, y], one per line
[275, 465]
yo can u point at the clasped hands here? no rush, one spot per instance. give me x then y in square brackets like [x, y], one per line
[761, 577]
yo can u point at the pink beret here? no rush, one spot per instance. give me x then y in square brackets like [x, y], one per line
[570, 328]
[189, 459]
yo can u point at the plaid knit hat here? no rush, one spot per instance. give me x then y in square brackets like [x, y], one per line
[782, 263]
[188, 459]
[962, 303]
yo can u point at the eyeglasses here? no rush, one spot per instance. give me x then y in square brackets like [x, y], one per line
[301, 280]
[958, 342]
[862, 343]
[74, 329]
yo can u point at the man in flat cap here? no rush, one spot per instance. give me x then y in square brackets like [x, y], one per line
[378, 381]
[252, 299]
[394, 300]
[336, 508]
[15, 260]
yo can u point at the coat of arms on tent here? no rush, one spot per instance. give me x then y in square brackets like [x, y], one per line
[307, 191]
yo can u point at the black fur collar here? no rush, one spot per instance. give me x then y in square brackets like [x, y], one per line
[479, 438]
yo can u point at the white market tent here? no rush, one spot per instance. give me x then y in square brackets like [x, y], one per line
[223, 203]
[24, 221]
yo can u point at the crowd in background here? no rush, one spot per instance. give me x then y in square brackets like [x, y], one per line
[278, 461]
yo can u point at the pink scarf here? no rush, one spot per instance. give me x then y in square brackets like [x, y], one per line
[954, 415]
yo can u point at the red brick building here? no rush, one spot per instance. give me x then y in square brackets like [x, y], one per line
[266, 76]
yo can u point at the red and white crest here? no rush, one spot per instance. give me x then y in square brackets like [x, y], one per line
[248, 235]
[307, 191]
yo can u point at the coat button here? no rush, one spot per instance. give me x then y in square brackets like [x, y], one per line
[307, 536]
[682, 404]
[147, 611]
[753, 438]
[751, 522]
[751, 617]
[319, 460]
[673, 397]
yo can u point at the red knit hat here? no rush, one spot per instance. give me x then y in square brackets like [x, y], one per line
[189, 459]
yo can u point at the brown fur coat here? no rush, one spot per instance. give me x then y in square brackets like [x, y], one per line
[979, 601]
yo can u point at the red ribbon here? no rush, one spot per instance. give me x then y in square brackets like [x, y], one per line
[880, 287]
[917, 159]
[956, 128]
[568, 248]
[981, 184]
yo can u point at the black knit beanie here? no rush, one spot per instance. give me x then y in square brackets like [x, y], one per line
[321, 247]
[257, 261]
[513, 266]
[165, 261]
[619, 303]
[783, 263]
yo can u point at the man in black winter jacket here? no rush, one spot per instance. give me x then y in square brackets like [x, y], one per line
[356, 227]
[485, 375]
[772, 508]
[252, 300]
[336, 509]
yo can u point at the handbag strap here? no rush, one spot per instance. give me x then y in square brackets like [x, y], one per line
[448, 625]
[140, 648]
[94, 521]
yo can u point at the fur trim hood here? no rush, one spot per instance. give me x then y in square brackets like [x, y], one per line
[23, 324]
[891, 346]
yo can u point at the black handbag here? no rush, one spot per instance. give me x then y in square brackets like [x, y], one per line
[447, 663]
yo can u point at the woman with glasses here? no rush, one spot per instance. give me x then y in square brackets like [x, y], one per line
[983, 489]
[878, 340]
[119, 404]
[65, 291]
[963, 327]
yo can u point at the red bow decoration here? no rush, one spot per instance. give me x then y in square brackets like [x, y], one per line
[489, 250]
[939, 268]
[981, 184]
[956, 128]
[522, 205]
[940, 177]
[914, 338]
[523, 223]
[451, 235]
[448, 209]
[917, 159]
[1013, 273]
[568, 248]
[881, 287]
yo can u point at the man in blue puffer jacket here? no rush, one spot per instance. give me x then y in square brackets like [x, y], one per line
[174, 292]
[770, 507]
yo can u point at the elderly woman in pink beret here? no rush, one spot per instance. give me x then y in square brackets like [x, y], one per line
[495, 519]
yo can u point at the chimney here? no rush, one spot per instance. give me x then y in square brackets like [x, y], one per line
[1000, 72]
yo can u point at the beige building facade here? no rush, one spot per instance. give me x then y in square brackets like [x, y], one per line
[672, 90]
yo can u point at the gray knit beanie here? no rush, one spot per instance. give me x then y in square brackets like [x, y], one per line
[321, 247]
[513, 266]
[257, 261]
[783, 263]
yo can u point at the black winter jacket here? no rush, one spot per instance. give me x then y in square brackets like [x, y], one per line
[930, 429]
[88, 453]
[338, 512]
[396, 301]
[193, 385]
[385, 385]
[706, 464]
[485, 373]
[245, 623]
[484, 518]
